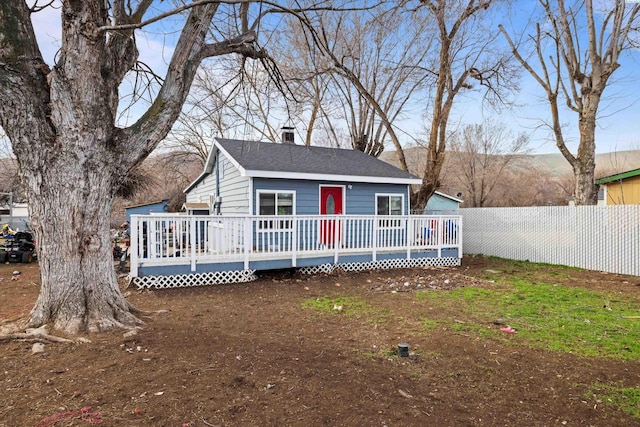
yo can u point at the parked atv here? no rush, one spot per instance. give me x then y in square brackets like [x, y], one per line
[20, 248]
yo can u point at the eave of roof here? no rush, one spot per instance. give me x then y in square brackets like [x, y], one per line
[146, 204]
[618, 176]
[329, 177]
[449, 197]
[196, 205]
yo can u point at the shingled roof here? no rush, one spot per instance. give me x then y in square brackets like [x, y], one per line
[269, 160]
[290, 161]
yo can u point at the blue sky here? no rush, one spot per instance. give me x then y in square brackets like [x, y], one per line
[618, 126]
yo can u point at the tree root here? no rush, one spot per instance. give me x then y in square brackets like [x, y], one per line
[150, 314]
[35, 335]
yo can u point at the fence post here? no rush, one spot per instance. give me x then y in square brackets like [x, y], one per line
[133, 243]
[459, 234]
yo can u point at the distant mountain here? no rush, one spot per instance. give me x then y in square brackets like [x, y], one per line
[606, 163]
[553, 165]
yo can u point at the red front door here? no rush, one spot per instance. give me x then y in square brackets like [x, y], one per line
[330, 204]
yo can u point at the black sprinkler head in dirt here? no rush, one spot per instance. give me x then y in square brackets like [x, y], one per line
[403, 350]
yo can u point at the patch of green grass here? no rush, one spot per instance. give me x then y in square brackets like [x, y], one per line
[383, 353]
[350, 305]
[430, 324]
[626, 399]
[559, 318]
[572, 320]
[530, 265]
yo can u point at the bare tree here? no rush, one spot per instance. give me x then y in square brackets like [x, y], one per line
[202, 118]
[62, 125]
[481, 156]
[467, 55]
[576, 74]
[373, 65]
[375, 72]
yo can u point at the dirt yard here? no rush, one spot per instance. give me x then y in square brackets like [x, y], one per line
[254, 355]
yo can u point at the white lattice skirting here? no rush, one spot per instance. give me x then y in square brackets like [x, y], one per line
[384, 264]
[188, 280]
[243, 276]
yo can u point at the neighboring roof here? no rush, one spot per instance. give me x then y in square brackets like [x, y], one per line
[195, 205]
[147, 204]
[449, 197]
[619, 176]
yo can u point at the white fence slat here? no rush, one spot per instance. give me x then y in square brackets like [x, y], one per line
[603, 238]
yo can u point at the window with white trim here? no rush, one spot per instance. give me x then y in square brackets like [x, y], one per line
[388, 205]
[276, 203]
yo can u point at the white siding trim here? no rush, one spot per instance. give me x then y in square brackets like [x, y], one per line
[231, 159]
[323, 177]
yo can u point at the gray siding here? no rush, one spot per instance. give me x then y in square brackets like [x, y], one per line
[234, 189]
[360, 198]
[201, 192]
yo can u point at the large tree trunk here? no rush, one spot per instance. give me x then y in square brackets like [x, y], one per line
[79, 290]
[70, 174]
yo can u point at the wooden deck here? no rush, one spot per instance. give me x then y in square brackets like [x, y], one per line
[181, 244]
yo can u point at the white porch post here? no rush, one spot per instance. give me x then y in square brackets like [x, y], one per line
[133, 243]
[440, 236]
[248, 240]
[294, 241]
[193, 243]
[374, 239]
[336, 241]
[152, 243]
[409, 229]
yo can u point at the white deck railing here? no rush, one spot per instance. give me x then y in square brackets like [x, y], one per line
[181, 239]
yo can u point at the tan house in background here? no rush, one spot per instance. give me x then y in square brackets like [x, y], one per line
[622, 188]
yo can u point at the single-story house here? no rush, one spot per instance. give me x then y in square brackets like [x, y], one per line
[262, 178]
[261, 205]
[621, 188]
[156, 207]
[442, 204]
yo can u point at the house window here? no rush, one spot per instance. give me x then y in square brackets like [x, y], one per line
[389, 204]
[276, 203]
